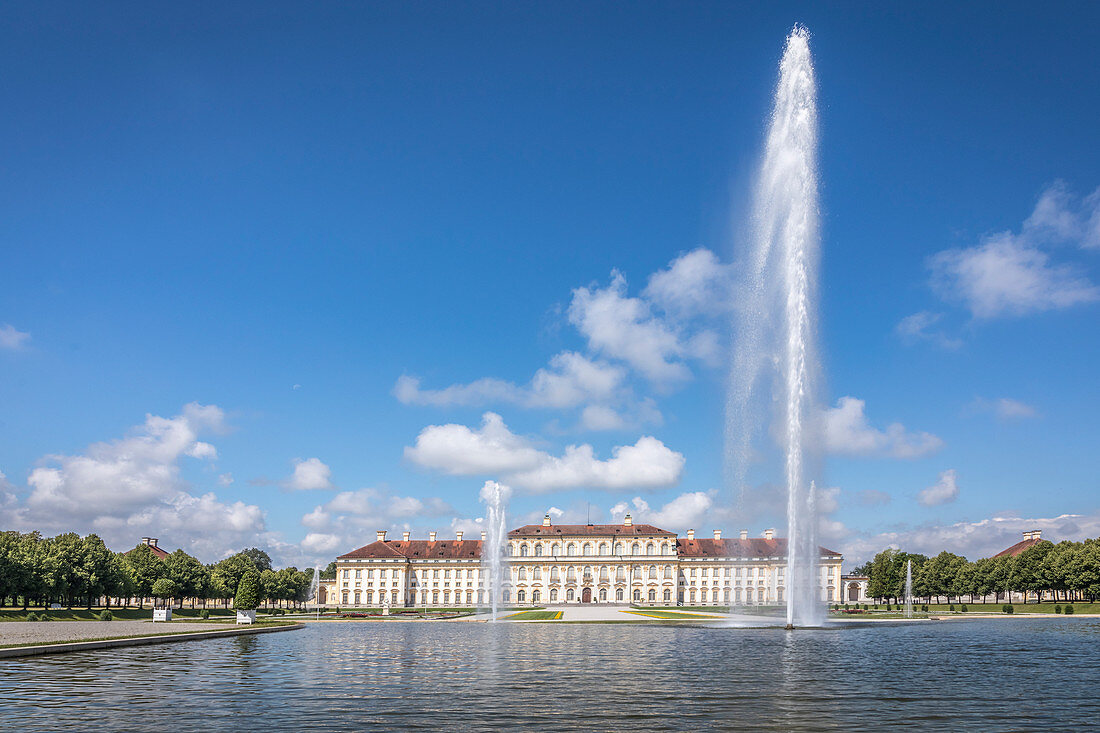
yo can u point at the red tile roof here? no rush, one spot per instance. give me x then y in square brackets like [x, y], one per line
[589, 530]
[1019, 547]
[417, 550]
[756, 547]
[157, 552]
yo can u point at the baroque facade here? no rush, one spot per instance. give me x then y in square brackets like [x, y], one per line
[550, 564]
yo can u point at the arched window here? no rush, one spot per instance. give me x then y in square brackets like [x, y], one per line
[636, 572]
[553, 595]
[536, 573]
[555, 549]
[446, 596]
[652, 572]
[480, 597]
[555, 575]
[649, 548]
[668, 572]
[588, 574]
[726, 596]
[668, 595]
[521, 596]
[619, 594]
[760, 596]
[571, 549]
[569, 594]
[691, 595]
[344, 598]
[536, 596]
[620, 575]
[522, 574]
[603, 574]
[664, 551]
[638, 594]
[714, 595]
[435, 598]
[538, 550]
[469, 598]
[370, 597]
[523, 550]
[652, 595]
[619, 550]
[603, 595]
[507, 596]
[358, 598]
[635, 549]
[571, 575]
[603, 548]
[778, 595]
[587, 549]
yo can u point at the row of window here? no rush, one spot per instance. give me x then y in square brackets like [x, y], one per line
[570, 595]
[603, 548]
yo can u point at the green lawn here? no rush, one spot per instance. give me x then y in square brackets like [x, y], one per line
[941, 609]
[534, 616]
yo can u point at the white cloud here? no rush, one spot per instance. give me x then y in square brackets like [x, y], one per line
[944, 491]
[848, 432]
[625, 328]
[1011, 274]
[694, 283]
[316, 519]
[1004, 408]
[11, 338]
[322, 544]
[601, 417]
[203, 451]
[571, 380]
[495, 450]
[971, 539]
[225, 479]
[686, 511]
[920, 326]
[309, 475]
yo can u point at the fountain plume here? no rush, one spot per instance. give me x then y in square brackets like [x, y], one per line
[493, 564]
[775, 354]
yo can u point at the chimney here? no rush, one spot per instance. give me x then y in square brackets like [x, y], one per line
[744, 534]
[458, 535]
[1033, 534]
[482, 535]
[381, 535]
[627, 521]
[769, 534]
[546, 520]
[691, 534]
[717, 534]
[431, 537]
[405, 536]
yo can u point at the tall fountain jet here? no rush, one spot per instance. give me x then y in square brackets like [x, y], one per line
[493, 566]
[775, 370]
[909, 589]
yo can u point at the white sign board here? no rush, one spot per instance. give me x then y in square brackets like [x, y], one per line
[246, 617]
[162, 614]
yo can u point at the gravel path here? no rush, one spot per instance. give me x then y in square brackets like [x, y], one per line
[55, 632]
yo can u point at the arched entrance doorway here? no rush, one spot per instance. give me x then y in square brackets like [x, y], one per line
[586, 595]
[853, 591]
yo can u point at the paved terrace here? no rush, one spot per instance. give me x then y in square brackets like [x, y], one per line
[54, 632]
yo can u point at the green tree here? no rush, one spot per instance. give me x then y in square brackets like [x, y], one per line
[227, 574]
[164, 589]
[883, 578]
[64, 572]
[187, 573]
[248, 592]
[270, 586]
[329, 573]
[939, 576]
[259, 558]
[99, 570]
[144, 569]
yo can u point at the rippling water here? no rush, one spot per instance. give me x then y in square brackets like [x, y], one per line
[971, 675]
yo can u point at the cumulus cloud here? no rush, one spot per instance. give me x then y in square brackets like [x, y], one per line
[1013, 273]
[11, 338]
[686, 511]
[495, 450]
[971, 539]
[625, 328]
[309, 475]
[848, 432]
[322, 544]
[350, 518]
[944, 491]
[694, 283]
[133, 486]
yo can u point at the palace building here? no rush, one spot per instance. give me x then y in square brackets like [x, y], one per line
[550, 564]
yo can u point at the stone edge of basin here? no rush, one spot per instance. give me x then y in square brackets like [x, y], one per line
[80, 646]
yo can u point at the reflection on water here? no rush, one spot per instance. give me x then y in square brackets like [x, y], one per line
[977, 675]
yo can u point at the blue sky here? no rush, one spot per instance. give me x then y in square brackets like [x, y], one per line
[260, 224]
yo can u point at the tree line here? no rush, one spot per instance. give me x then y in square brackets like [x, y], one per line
[1067, 571]
[72, 571]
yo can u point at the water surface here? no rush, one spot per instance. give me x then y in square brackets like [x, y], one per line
[970, 675]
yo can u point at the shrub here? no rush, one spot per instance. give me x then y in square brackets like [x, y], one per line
[106, 615]
[1069, 609]
[248, 592]
[963, 608]
[1007, 608]
[1057, 609]
[205, 614]
[951, 608]
[32, 616]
